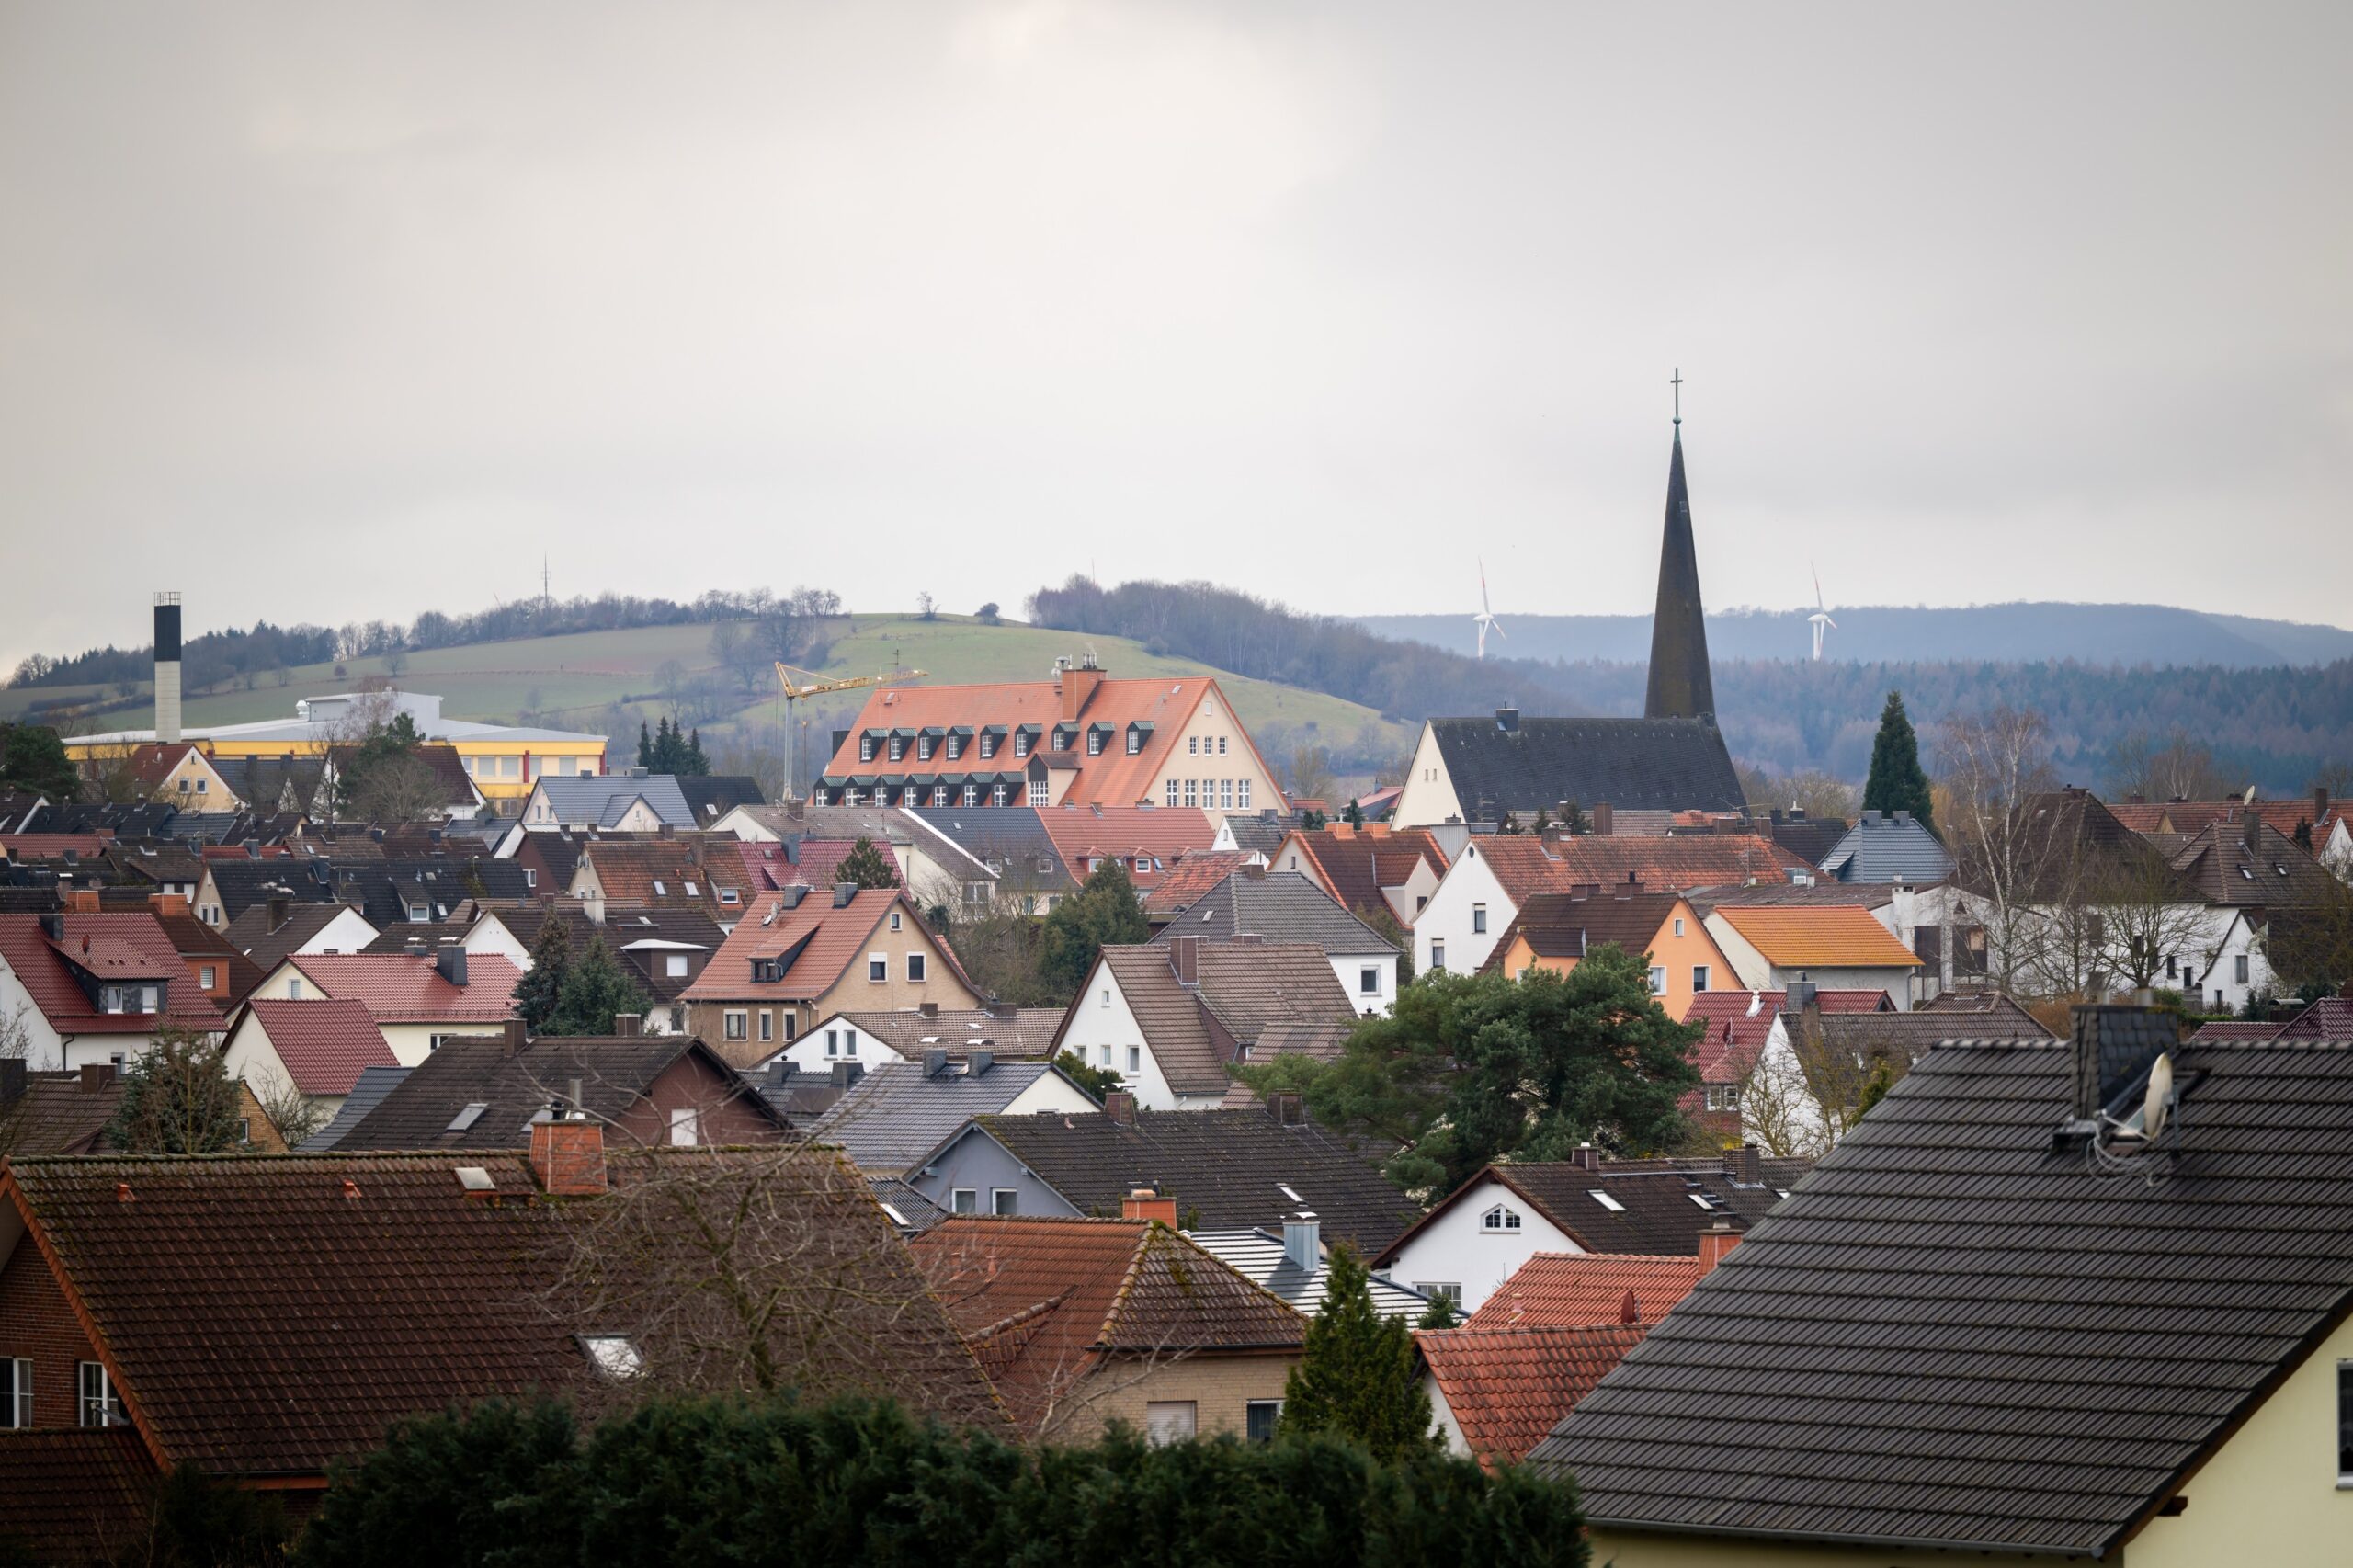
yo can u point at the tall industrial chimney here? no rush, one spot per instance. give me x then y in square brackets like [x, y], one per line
[167, 667]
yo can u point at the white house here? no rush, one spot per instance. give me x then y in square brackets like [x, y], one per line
[417, 1001]
[879, 1038]
[1289, 906]
[1475, 900]
[1835, 945]
[315, 1048]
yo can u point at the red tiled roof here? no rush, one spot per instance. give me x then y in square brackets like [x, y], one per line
[1111, 778]
[400, 988]
[151, 763]
[1183, 883]
[78, 1494]
[51, 846]
[124, 946]
[2190, 816]
[1558, 1289]
[768, 866]
[1044, 1301]
[324, 1044]
[1082, 833]
[1507, 1388]
[820, 940]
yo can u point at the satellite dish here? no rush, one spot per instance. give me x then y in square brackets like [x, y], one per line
[2152, 1108]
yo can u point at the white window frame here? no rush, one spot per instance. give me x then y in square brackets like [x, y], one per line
[1242, 795]
[686, 1127]
[1005, 1201]
[104, 1404]
[1368, 980]
[673, 965]
[204, 976]
[1658, 980]
[1503, 1219]
[963, 1200]
[1438, 955]
[1135, 1060]
[735, 1023]
[16, 1394]
[1172, 793]
[996, 794]
[768, 1025]
[894, 919]
[1478, 919]
[1168, 1421]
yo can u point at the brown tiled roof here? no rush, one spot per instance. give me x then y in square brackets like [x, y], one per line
[251, 933]
[656, 873]
[2331, 1018]
[1507, 1388]
[108, 946]
[622, 927]
[53, 845]
[1573, 1288]
[1183, 883]
[76, 1495]
[1668, 863]
[1734, 1035]
[1565, 925]
[1245, 988]
[400, 988]
[1357, 863]
[820, 942]
[2276, 872]
[324, 1044]
[1043, 1302]
[1023, 1032]
[60, 1113]
[409, 1296]
[1657, 1209]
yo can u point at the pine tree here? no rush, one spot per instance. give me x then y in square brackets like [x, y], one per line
[177, 1098]
[1104, 912]
[541, 992]
[645, 746]
[867, 866]
[1897, 782]
[594, 990]
[692, 761]
[1354, 815]
[1356, 1377]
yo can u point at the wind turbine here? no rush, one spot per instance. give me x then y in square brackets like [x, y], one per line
[1486, 615]
[1821, 617]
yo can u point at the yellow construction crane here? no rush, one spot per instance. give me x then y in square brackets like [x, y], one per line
[812, 684]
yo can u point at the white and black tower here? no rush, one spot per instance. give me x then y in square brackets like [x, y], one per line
[167, 667]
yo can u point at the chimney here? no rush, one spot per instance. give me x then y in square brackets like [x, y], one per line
[1803, 997]
[1077, 683]
[1287, 1107]
[96, 1077]
[1603, 819]
[625, 1025]
[2320, 811]
[414, 947]
[1585, 1157]
[11, 1078]
[167, 668]
[278, 906]
[978, 1063]
[2113, 1046]
[1746, 1165]
[1507, 720]
[928, 1009]
[935, 1063]
[1145, 1203]
[847, 1072]
[82, 901]
[168, 904]
[1630, 1308]
[1185, 959]
[1717, 1240]
[54, 927]
[568, 1157]
[2251, 829]
[790, 897]
[1303, 1240]
[842, 893]
[517, 1036]
[1121, 1106]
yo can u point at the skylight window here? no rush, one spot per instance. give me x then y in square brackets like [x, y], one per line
[1284, 1187]
[1702, 1199]
[467, 1117]
[476, 1178]
[659, 889]
[1605, 1200]
[614, 1355]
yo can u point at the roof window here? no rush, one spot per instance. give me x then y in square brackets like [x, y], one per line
[615, 1355]
[1605, 1200]
[467, 1117]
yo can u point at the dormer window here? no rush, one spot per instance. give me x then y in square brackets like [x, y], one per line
[1021, 743]
[955, 747]
[923, 748]
[866, 748]
[988, 747]
[1501, 1218]
[898, 747]
[1093, 743]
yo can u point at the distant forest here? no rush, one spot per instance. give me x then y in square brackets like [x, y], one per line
[220, 658]
[2278, 727]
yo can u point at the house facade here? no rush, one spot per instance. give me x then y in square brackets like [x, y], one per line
[418, 1000]
[1839, 947]
[79, 989]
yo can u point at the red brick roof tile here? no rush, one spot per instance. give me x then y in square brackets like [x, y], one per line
[324, 1044]
[1083, 834]
[126, 946]
[400, 988]
[1507, 1388]
[1558, 1289]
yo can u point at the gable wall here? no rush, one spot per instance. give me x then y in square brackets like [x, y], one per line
[1453, 1250]
[1447, 917]
[1428, 795]
[36, 1324]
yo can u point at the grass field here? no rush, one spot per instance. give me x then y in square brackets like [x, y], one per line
[574, 682]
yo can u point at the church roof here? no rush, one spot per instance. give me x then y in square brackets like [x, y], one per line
[1680, 687]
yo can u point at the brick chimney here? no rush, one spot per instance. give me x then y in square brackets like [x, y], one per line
[1077, 684]
[81, 901]
[515, 1035]
[1585, 1157]
[1717, 1240]
[96, 1077]
[1184, 959]
[1121, 1106]
[568, 1157]
[1630, 1308]
[1143, 1203]
[1602, 820]
[1287, 1107]
[278, 906]
[625, 1025]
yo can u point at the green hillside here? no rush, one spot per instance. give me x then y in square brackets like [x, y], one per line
[612, 681]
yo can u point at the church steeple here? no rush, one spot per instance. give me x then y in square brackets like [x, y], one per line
[1679, 683]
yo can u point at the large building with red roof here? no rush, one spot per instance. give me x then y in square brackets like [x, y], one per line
[1083, 738]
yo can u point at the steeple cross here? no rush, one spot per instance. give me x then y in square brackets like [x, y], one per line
[1678, 394]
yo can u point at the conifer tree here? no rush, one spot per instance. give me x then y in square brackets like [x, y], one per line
[867, 866]
[541, 990]
[1104, 912]
[645, 746]
[1897, 782]
[595, 989]
[1356, 1377]
[177, 1098]
[692, 761]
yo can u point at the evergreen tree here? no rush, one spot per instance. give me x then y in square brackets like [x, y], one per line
[1096, 1081]
[541, 990]
[594, 990]
[867, 866]
[1353, 815]
[177, 1098]
[1440, 1313]
[645, 746]
[691, 761]
[1105, 913]
[1357, 1378]
[33, 758]
[1897, 782]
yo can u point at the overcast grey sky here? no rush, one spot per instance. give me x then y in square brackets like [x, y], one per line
[320, 316]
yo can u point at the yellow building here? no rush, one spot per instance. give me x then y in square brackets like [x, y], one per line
[504, 760]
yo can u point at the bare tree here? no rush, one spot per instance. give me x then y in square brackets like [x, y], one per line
[2179, 767]
[296, 1116]
[401, 788]
[1778, 1109]
[1310, 774]
[1989, 765]
[2146, 917]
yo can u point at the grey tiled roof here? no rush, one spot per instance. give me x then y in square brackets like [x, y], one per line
[366, 1093]
[1264, 832]
[1635, 763]
[1281, 906]
[1226, 1169]
[1960, 1331]
[907, 1208]
[1258, 1256]
[893, 1116]
[600, 798]
[1248, 988]
[1023, 1032]
[1655, 1209]
[1880, 848]
[251, 933]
